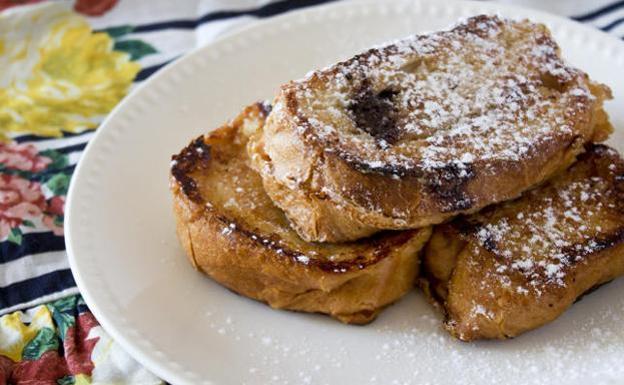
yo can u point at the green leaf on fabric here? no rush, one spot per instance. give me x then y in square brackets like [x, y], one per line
[43, 342]
[67, 380]
[64, 304]
[63, 321]
[21, 173]
[58, 184]
[117, 32]
[28, 223]
[59, 160]
[136, 48]
[63, 311]
[15, 236]
[58, 220]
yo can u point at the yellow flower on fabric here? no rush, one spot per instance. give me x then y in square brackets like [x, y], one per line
[55, 73]
[82, 379]
[15, 334]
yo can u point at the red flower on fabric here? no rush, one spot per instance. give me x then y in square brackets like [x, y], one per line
[19, 199]
[87, 7]
[46, 370]
[94, 7]
[22, 157]
[77, 347]
[54, 210]
[11, 3]
[6, 369]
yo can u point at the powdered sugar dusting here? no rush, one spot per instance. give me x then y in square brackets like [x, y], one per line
[559, 226]
[488, 89]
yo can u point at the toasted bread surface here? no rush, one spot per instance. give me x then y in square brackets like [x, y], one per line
[520, 264]
[231, 230]
[415, 132]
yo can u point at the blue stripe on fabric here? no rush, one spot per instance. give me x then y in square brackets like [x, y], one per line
[599, 12]
[32, 243]
[45, 175]
[71, 148]
[267, 10]
[38, 138]
[148, 71]
[613, 24]
[33, 288]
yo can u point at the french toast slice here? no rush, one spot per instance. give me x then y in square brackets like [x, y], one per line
[412, 133]
[231, 230]
[518, 265]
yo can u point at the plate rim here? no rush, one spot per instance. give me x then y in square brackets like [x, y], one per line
[96, 304]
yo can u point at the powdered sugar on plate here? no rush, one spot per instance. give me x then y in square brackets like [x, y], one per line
[409, 338]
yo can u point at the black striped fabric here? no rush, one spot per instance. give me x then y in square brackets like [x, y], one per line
[267, 10]
[33, 243]
[605, 10]
[609, 18]
[148, 71]
[27, 291]
[37, 138]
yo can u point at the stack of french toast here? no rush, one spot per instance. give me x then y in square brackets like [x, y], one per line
[464, 162]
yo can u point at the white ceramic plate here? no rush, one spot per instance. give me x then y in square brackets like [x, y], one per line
[189, 330]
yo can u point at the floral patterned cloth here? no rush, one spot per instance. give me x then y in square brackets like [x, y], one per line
[62, 343]
[63, 66]
[58, 78]
[49, 88]
[33, 189]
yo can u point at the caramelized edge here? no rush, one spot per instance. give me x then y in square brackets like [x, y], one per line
[196, 156]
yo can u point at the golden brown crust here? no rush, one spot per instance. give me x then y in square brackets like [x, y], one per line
[345, 153]
[518, 265]
[231, 231]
